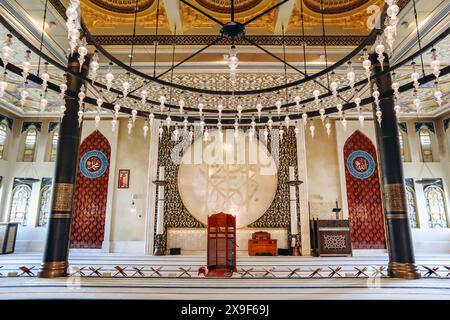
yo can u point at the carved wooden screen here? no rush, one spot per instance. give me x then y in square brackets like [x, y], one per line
[222, 242]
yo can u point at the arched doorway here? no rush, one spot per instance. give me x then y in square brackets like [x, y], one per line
[363, 193]
[88, 223]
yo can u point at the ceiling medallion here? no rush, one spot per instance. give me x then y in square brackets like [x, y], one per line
[233, 30]
[333, 6]
[223, 6]
[123, 6]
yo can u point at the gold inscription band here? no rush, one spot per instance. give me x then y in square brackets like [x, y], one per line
[394, 197]
[60, 215]
[396, 216]
[63, 197]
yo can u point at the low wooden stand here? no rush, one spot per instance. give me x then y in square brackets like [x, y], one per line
[261, 244]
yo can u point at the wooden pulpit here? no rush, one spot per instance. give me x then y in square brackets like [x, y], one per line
[221, 244]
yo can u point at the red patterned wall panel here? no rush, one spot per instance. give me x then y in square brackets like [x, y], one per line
[363, 193]
[88, 223]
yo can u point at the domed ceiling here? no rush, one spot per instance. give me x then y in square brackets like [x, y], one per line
[342, 17]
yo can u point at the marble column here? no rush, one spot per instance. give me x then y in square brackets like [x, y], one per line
[400, 246]
[55, 260]
[159, 237]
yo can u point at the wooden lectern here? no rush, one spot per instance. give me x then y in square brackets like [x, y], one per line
[221, 244]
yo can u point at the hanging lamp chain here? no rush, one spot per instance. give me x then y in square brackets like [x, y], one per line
[324, 41]
[41, 42]
[174, 43]
[285, 65]
[419, 42]
[134, 32]
[156, 39]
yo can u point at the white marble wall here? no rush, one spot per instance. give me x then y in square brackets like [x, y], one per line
[194, 240]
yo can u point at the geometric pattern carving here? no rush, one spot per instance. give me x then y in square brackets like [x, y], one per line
[334, 242]
[199, 39]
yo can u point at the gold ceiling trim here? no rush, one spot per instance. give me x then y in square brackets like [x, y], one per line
[334, 6]
[123, 6]
[195, 20]
[98, 17]
[223, 6]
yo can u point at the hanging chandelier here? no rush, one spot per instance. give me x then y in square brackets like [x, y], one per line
[231, 31]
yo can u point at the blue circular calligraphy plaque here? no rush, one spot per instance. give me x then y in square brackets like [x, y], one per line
[360, 164]
[93, 164]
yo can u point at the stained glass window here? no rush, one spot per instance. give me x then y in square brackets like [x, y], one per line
[425, 145]
[412, 206]
[402, 145]
[45, 203]
[435, 203]
[30, 145]
[3, 137]
[20, 204]
[54, 145]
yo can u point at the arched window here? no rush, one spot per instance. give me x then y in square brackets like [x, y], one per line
[30, 145]
[45, 205]
[3, 138]
[54, 145]
[402, 145]
[20, 204]
[434, 199]
[425, 145]
[412, 207]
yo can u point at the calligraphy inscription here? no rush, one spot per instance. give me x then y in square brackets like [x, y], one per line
[394, 197]
[63, 197]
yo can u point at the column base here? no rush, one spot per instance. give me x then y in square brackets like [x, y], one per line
[403, 270]
[159, 251]
[296, 251]
[159, 248]
[53, 269]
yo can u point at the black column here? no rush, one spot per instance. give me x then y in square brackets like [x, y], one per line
[55, 260]
[400, 247]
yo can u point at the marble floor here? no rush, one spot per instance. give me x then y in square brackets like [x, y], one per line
[177, 278]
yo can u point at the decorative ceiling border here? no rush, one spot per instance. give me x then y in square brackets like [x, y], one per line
[187, 40]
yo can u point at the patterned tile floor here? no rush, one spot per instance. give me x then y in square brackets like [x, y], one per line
[174, 284]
